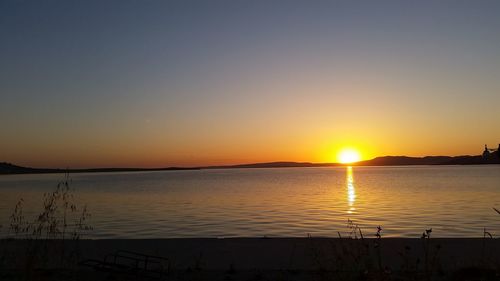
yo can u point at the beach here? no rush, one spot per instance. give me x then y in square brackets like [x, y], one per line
[264, 258]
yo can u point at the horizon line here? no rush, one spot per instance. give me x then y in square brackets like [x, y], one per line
[231, 165]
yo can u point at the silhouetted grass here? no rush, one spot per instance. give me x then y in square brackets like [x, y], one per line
[60, 221]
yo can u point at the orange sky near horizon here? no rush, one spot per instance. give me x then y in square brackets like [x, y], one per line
[154, 153]
[306, 123]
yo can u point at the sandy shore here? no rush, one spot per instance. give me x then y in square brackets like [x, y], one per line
[273, 255]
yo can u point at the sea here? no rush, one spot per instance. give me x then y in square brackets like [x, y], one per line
[453, 201]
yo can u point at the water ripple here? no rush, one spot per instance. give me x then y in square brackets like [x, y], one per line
[454, 201]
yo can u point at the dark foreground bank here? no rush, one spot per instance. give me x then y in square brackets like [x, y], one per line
[252, 259]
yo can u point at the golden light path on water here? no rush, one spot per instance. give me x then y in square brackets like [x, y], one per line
[351, 191]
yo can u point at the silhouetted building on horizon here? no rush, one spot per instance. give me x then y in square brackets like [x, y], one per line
[489, 153]
[486, 152]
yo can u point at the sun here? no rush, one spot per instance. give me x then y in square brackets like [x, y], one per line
[348, 155]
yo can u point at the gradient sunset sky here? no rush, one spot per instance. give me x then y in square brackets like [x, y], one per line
[186, 83]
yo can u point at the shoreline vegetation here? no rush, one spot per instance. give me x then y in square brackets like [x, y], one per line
[8, 168]
[257, 259]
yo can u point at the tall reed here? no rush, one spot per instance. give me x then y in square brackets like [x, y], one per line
[46, 237]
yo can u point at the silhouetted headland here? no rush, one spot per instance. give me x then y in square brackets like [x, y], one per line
[428, 160]
[8, 168]
[491, 158]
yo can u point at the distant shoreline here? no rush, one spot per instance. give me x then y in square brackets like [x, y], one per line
[11, 169]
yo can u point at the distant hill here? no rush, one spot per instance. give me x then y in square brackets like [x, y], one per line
[282, 164]
[428, 160]
[7, 168]
[378, 161]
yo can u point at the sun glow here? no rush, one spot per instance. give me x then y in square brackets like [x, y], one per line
[348, 155]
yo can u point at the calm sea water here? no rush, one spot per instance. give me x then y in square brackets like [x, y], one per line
[456, 201]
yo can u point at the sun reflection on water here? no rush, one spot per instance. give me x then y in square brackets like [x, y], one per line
[351, 192]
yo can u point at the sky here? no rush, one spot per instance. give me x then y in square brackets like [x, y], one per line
[187, 83]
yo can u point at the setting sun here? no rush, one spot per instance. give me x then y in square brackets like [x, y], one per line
[348, 155]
